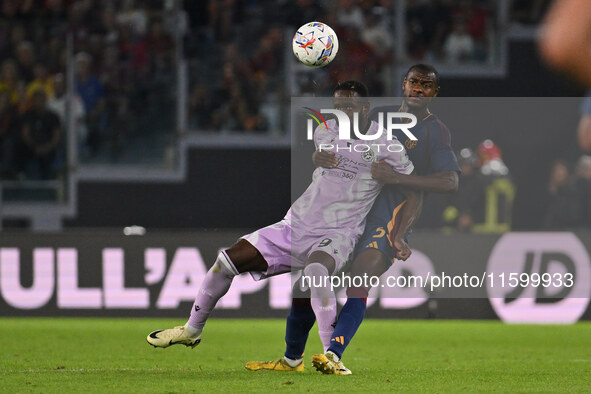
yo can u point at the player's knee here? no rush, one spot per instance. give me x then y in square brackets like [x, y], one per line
[322, 258]
[371, 262]
[357, 292]
[316, 277]
[244, 257]
[224, 266]
[315, 270]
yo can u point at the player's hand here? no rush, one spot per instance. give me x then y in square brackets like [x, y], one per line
[403, 252]
[383, 173]
[325, 159]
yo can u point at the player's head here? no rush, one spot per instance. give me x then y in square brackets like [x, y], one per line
[420, 85]
[350, 97]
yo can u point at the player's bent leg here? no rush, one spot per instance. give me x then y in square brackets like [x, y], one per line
[318, 270]
[299, 322]
[216, 284]
[371, 262]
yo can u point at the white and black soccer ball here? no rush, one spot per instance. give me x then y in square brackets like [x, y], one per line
[315, 44]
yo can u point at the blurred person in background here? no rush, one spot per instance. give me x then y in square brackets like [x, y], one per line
[427, 24]
[133, 14]
[91, 91]
[8, 137]
[377, 35]
[42, 80]
[39, 139]
[25, 58]
[583, 190]
[499, 190]
[9, 81]
[458, 45]
[225, 15]
[16, 36]
[349, 14]
[466, 206]
[562, 205]
[58, 102]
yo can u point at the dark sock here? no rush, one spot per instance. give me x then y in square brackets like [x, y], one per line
[300, 321]
[349, 321]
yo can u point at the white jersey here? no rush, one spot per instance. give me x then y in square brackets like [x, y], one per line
[339, 199]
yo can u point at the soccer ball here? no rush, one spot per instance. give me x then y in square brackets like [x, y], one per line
[315, 44]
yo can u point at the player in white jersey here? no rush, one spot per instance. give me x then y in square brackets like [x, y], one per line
[319, 231]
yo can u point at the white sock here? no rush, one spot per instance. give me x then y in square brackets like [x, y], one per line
[323, 301]
[293, 363]
[192, 331]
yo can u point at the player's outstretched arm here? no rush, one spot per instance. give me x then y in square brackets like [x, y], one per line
[566, 38]
[439, 182]
[410, 213]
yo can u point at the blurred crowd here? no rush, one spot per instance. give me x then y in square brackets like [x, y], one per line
[568, 198]
[451, 31]
[123, 57]
[238, 78]
[124, 60]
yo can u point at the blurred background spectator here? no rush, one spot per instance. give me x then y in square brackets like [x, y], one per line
[8, 136]
[466, 206]
[40, 134]
[484, 200]
[58, 104]
[583, 190]
[92, 92]
[562, 207]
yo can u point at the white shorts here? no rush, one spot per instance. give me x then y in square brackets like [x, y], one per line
[285, 252]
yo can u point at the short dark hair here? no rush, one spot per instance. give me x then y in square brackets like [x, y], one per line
[427, 69]
[353, 86]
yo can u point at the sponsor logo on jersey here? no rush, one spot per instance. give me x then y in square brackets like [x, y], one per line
[324, 242]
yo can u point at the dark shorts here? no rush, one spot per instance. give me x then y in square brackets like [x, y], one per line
[381, 226]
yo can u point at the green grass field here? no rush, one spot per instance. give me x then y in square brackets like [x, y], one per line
[111, 355]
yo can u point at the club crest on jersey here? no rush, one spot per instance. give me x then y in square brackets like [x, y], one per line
[368, 156]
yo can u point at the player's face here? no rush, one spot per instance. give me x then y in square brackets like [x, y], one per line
[350, 102]
[419, 88]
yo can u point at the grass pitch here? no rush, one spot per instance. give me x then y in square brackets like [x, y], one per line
[111, 355]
